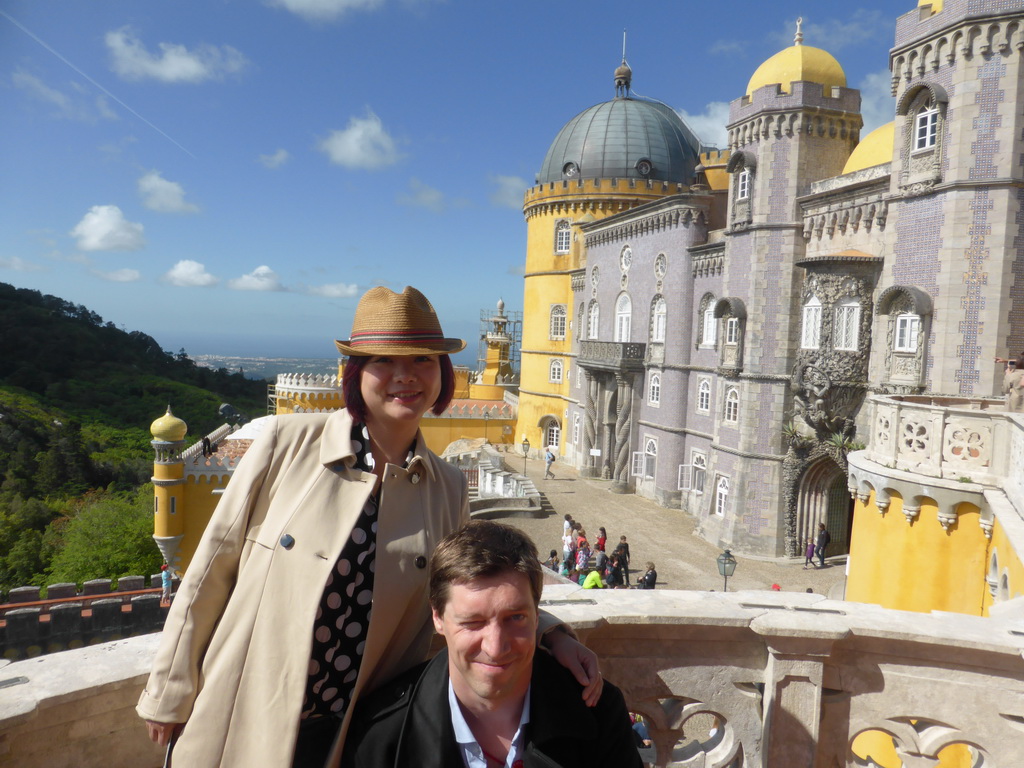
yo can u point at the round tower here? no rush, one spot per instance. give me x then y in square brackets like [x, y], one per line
[168, 484]
[609, 158]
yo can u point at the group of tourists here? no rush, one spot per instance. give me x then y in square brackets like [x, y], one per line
[593, 567]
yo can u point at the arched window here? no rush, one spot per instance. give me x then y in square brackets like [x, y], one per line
[732, 405]
[707, 325]
[732, 331]
[659, 320]
[552, 435]
[557, 322]
[650, 458]
[810, 337]
[743, 185]
[846, 328]
[592, 321]
[721, 495]
[699, 471]
[908, 330]
[926, 125]
[563, 236]
[704, 396]
[623, 313]
[555, 371]
[654, 389]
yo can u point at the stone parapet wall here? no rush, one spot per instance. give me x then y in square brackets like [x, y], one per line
[792, 679]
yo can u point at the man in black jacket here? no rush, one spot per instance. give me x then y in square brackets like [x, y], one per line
[489, 699]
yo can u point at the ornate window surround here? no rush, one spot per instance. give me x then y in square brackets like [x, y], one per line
[922, 166]
[563, 236]
[557, 322]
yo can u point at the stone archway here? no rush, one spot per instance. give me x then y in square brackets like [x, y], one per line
[823, 497]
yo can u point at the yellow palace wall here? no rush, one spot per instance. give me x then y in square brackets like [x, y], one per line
[921, 567]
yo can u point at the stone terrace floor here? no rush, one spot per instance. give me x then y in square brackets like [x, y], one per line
[665, 536]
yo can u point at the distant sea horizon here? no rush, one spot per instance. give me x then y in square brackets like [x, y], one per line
[268, 368]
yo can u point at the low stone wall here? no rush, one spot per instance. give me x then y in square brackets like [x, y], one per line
[784, 679]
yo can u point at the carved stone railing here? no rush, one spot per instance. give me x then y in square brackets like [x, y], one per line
[612, 355]
[785, 679]
[946, 437]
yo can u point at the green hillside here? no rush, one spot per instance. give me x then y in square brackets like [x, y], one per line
[77, 396]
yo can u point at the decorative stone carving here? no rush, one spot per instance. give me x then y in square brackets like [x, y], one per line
[911, 513]
[968, 443]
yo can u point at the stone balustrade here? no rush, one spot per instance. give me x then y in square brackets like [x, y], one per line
[944, 437]
[788, 679]
[308, 382]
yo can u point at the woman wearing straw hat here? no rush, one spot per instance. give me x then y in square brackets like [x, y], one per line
[327, 522]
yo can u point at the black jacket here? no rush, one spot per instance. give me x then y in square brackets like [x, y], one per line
[407, 723]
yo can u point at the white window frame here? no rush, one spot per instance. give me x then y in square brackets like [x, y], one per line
[636, 467]
[654, 389]
[721, 495]
[579, 377]
[846, 325]
[593, 320]
[926, 126]
[563, 236]
[709, 328]
[704, 395]
[623, 318]
[698, 471]
[810, 333]
[660, 322]
[683, 478]
[556, 322]
[732, 331]
[743, 185]
[732, 405]
[552, 435]
[556, 369]
[575, 429]
[908, 332]
[650, 458]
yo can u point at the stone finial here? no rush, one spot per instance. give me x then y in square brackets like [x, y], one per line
[798, 38]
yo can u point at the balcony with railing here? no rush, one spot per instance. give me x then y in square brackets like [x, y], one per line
[612, 355]
[785, 679]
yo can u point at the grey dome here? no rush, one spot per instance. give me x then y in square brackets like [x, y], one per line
[611, 139]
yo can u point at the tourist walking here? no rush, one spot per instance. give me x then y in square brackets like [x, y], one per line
[808, 553]
[549, 459]
[824, 539]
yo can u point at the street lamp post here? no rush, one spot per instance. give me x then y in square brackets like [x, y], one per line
[526, 450]
[726, 567]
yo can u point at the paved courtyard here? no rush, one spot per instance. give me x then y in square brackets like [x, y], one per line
[665, 536]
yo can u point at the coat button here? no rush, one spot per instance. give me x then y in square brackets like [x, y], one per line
[421, 562]
[414, 479]
[287, 541]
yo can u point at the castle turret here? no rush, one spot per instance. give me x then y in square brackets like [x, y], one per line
[168, 484]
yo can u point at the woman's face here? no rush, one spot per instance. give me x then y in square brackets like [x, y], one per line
[400, 388]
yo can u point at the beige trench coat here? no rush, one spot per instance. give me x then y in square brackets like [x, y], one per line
[234, 655]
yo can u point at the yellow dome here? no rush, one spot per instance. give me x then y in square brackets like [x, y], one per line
[168, 428]
[874, 149]
[798, 62]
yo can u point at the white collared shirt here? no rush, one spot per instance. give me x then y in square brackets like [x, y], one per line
[472, 753]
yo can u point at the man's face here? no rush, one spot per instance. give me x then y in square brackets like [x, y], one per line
[490, 626]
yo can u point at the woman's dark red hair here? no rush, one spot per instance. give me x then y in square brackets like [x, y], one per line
[352, 376]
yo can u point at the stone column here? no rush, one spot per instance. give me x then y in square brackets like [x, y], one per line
[587, 468]
[623, 427]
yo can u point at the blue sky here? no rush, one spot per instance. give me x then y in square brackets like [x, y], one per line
[229, 176]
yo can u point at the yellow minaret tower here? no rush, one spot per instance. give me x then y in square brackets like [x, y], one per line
[610, 158]
[168, 485]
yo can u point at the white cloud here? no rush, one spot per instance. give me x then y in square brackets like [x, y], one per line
[104, 228]
[877, 104]
[78, 106]
[260, 279]
[325, 10]
[120, 275]
[18, 264]
[275, 160]
[174, 63]
[709, 125]
[509, 191]
[726, 47]
[335, 290]
[159, 194]
[189, 274]
[423, 196]
[364, 143]
[834, 35]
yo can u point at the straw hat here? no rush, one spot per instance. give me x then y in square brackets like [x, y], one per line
[389, 323]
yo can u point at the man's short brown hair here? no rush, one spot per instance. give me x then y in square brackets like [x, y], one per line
[480, 549]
